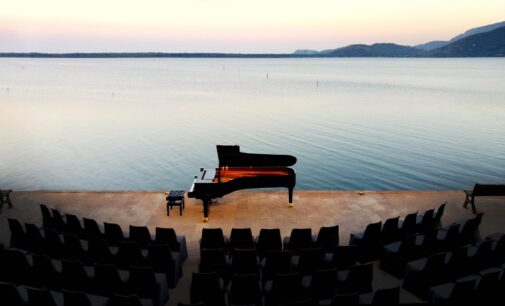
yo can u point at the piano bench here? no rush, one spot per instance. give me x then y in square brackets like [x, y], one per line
[175, 198]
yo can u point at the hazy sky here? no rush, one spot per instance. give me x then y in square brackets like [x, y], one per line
[232, 25]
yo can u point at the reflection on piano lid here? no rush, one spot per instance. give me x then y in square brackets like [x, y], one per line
[239, 170]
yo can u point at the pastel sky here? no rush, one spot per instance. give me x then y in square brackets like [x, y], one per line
[252, 26]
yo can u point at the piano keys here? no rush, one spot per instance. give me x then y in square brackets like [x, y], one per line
[238, 170]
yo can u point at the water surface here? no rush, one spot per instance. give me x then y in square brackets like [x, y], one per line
[122, 124]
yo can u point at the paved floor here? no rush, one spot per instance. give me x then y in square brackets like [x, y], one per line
[351, 210]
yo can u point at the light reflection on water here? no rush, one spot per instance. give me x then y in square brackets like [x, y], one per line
[152, 123]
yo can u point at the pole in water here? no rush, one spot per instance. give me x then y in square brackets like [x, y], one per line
[267, 75]
[317, 83]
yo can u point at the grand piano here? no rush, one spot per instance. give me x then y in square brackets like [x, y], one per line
[238, 170]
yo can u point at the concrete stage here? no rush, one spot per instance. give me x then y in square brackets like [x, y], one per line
[351, 210]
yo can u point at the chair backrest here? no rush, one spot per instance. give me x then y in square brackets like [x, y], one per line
[159, 256]
[323, 283]
[142, 281]
[91, 229]
[44, 273]
[129, 253]
[301, 302]
[167, 236]
[438, 216]
[107, 279]
[451, 238]
[463, 291]
[345, 299]
[73, 225]
[212, 238]
[427, 221]
[390, 296]
[124, 300]
[310, 259]
[34, 240]
[54, 245]
[276, 262]
[435, 268]
[409, 225]
[286, 287]
[458, 263]
[245, 289]
[38, 297]
[328, 237]
[75, 298]
[269, 240]
[18, 235]
[212, 260]
[113, 233]
[58, 221]
[372, 233]
[345, 257]
[244, 261]
[74, 276]
[408, 247]
[301, 238]
[360, 277]
[14, 268]
[47, 218]
[98, 251]
[73, 247]
[241, 238]
[10, 295]
[390, 231]
[488, 285]
[470, 229]
[140, 234]
[206, 287]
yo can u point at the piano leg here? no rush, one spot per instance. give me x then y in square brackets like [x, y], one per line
[206, 204]
[291, 197]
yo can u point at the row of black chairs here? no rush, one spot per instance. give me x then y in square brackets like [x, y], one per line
[270, 239]
[483, 288]
[112, 232]
[13, 295]
[68, 246]
[378, 234]
[247, 261]
[397, 254]
[324, 287]
[444, 267]
[40, 271]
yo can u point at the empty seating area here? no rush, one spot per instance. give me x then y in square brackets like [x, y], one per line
[303, 269]
[70, 260]
[106, 266]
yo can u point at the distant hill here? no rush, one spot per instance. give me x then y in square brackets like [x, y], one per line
[375, 50]
[305, 52]
[488, 44]
[432, 45]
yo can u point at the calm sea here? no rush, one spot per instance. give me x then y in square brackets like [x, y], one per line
[121, 124]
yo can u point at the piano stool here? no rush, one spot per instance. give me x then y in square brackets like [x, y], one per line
[175, 198]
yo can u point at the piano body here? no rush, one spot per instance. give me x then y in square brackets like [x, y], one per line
[238, 170]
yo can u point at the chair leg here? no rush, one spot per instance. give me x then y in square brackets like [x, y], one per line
[467, 200]
[474, 210]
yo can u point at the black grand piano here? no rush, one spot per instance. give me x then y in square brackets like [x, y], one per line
[239, 170]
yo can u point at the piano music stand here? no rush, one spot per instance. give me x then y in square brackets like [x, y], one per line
[175, 198]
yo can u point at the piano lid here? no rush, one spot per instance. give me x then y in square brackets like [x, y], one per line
[230, 156]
